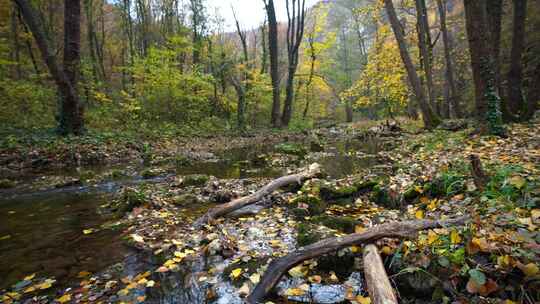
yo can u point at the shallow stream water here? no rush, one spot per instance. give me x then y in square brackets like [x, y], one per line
[41, 231]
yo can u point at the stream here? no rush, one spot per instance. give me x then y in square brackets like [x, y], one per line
[41, 228]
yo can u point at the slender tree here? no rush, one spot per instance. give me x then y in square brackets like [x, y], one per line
[453, 104]
[274, 61]
[424, 42]
[515, 74]
[295, 31]
[241, 82]
[431, 120]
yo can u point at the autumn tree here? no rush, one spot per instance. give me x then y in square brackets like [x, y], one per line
[70, 116]
[431, 120]
[274, 62]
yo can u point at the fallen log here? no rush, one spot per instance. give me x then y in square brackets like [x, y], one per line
[221, 210]
[378, 285]
[406, 229]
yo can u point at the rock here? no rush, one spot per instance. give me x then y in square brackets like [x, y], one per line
[151, 173]
[185, 199]
[316, 146]
[69, 183]
[307, 234]
[7, 183]
[312, 203]
[247, 210]
[291, 149]
[221, 196]
[195, 180]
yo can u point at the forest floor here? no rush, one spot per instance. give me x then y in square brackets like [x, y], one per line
[494, 258]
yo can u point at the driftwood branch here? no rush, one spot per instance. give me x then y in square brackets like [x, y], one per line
[479, 175]
[238, 203]
[406, 229]
[378, 285]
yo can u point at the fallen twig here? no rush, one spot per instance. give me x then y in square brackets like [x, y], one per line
[278, 267]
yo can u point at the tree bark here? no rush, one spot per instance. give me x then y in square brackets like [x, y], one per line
[221, 210]
[71, 121]
[424, 41]
[533, 96]
[378, 285]
[453, 103]
[264, 55]
[295, 32]
[278, 267]
[71, 117]
[483, 62]
[274, 63]
[515, 75]
[15, 51]
[431, 120]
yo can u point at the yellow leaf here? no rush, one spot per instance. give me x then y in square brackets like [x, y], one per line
[236, 273]
[517, 181]
[355, 249]
[362, 300]
[419, 214]
[255, 278]
[359, 229]
[454, 237]
[529, 270]
[298, 271]
[432, 204]
[65, 298]
[30, 277]
[83, 274]
[432, 237]
[387, 250]
[30, 289]
[294, 292]
[150, 283]
[45, 285]
[87, 231]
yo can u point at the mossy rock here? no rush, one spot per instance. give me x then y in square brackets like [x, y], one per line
[331, 193]
[315, 204]
[185, 199]
[195, 180]
[117, 174]
[411, 193]
[363, 186]
[291, 149]
[181, 161]
[312, 186]
[7, 183]
[381, 197]
[130, 199]
[341, 223]
[151, 173]
[307, 234]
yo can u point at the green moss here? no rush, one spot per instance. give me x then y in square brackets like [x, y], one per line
[365, 186]
[185, 199]
[195, 180]
[341, 223]
[117, 174]
[306, 234]
[150, 173]
[291, 149]
[381, 197]
[315, 204]
[7, 183]
[181, 160]
[331, 193]
[411, 193]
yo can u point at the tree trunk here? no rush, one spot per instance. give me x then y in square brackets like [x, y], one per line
[15, 51]
[295, 32]
[274, 63]
[533, 96]
[378, 285]
[494, 19]
[483, 62]
[515, 75]
[71, 116]
[453, 103]
[431, 120]
[264, 56]
[424, 41]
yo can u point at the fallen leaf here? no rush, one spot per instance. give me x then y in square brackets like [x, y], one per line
[362, 300]
[529, 270]
[454, 237]
[236, 273]
[255, 278]
[65, 298]
[419, 214]
[137, 238]
[298, 271]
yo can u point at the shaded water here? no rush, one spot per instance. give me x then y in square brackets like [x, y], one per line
[42, 231]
